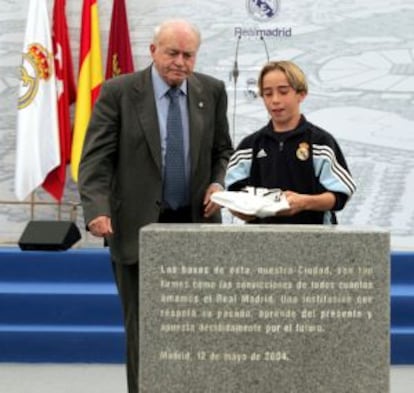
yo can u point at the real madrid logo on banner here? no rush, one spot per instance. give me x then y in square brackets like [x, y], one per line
[262, 10]
[37, 65]
[302, 153]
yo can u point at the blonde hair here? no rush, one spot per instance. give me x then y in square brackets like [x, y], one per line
[294, 75]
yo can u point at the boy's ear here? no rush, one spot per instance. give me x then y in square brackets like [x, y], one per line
[302, 95]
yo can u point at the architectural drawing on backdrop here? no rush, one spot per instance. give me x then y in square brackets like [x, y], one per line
[358, 57]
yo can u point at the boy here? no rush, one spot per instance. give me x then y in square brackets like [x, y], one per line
[291, 154]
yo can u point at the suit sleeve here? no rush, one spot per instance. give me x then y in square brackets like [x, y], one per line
[99, 156]
[222, 145]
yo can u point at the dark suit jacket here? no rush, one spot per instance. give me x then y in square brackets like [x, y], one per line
[120, 173]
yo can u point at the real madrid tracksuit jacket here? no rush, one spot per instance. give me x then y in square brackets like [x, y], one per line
[306, 160]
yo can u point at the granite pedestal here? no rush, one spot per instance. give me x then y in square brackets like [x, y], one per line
[263, 309]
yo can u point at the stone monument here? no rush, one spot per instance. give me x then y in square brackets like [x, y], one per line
[263, 309]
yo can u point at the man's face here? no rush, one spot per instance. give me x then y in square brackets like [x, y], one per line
[174, 54]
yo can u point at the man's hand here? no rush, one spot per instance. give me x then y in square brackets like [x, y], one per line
[209, 206]
[101, 226]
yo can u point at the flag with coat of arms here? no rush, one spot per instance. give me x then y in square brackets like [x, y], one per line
[37, 133]
[119, 58]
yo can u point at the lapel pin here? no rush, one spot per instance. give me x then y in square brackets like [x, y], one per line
[201, 104]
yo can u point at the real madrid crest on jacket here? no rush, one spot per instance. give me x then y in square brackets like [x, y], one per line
[306, 160]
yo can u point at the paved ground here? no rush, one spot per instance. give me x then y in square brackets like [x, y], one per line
[62, 378]
[93, 378]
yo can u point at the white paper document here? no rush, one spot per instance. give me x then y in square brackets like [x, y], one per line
[255, 201]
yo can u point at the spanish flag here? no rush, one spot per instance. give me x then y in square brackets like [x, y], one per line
[89, 80]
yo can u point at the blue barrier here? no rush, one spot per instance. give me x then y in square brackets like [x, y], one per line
[59, 307]
[402, 308]
[63, 307]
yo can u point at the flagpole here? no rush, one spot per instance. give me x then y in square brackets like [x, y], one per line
[32, 205]
[59, 206]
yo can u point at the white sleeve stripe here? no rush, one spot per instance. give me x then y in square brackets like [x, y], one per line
[240, 155]
[340, 173]
[336, 168]
[347, 182]
[327, 153]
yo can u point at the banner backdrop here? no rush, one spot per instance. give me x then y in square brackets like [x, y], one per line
[358, 57]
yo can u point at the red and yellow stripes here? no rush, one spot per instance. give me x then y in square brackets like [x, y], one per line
[89, 80]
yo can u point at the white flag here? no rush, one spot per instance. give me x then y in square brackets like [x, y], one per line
[37, 148]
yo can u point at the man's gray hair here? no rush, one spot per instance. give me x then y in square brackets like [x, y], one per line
[171, 22]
